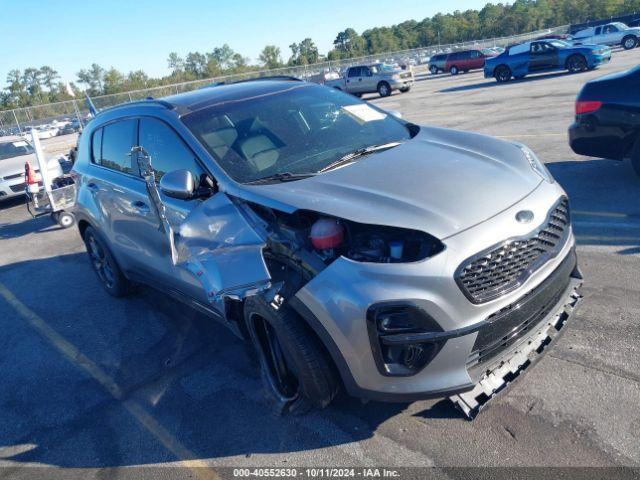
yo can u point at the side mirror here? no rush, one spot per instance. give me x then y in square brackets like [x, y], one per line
[178, 184]
[395, 113]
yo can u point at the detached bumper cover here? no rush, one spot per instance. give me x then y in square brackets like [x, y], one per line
[522, 354]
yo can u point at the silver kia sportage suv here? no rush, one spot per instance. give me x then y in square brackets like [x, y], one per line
[352, 248]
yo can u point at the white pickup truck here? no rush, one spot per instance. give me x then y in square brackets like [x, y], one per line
[616, 33]
[379, 78]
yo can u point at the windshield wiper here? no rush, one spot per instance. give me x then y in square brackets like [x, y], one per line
[281, 177]
[349, 157]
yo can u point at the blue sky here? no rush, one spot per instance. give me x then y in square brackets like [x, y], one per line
[71, 34]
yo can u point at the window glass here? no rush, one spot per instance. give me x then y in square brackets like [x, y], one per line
[598, 30]
[15, 149]
[354, 72]
[167, 150]
[300, 129]
[365, 72]
[117, 140]
[96, 146]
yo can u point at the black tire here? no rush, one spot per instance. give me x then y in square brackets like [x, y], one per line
[105, 265]
[384, 89]
[502, 74]
[454, 70]
[405, 90]
[629, 42]
[433, 69]
[66, 219]
[635, 157]
[577, 64]
[307, 377]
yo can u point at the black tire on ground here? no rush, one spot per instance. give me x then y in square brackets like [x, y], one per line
[305, 376]
[454, 70]
[66, 219]
[629, 42]
[635, 157]
[384, 89]
[405, 90]
[502, 74]
[105, 265]
[433, 69]
[577, 63]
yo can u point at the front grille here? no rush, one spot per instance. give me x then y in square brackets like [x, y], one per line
[11, 177]
[18, 188]
[491, 274]
[508, 325]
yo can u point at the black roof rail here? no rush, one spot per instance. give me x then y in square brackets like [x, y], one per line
[271, 77]
[146, 101]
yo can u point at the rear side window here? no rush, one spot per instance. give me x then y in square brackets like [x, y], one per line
[117, 140]
[167, 150]
[354, 72]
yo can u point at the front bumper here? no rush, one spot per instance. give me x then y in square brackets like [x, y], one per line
[402, 83]
[11, 188]
[338, 314]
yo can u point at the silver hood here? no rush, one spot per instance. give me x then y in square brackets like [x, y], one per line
[441, 182]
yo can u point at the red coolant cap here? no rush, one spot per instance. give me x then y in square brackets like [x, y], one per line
[326, 233]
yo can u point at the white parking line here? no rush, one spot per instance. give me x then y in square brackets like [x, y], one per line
[77, 358]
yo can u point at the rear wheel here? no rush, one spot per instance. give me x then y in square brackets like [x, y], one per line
[384, 89]
[502, 74]
[297, 372]
[454, 70]
[405, 90]
[577, 64]
[629, 42]
[104, 264]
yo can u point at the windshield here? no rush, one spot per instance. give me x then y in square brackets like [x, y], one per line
[14, 149]
[383, 67]
[560, 44]
[296, 131]
[620, 25]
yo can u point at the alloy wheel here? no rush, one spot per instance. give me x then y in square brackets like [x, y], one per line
[100, 262]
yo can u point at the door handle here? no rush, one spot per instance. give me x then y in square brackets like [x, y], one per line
[140, 206]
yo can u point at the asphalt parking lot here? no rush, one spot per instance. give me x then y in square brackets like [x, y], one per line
[90, 382]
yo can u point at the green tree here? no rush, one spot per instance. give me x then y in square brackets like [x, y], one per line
[270, 57]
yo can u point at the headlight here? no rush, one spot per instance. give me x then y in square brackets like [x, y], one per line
[395, 77]
[536, 164]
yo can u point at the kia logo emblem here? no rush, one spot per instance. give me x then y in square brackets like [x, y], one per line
[524, 216]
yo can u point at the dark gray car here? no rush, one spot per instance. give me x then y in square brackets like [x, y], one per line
[352, 248]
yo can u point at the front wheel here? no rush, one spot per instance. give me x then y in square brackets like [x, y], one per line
[629, 42]
[297, 372]
[577, 64]
[502, 74]
[454, 70]
[384, 89]
[433, 69]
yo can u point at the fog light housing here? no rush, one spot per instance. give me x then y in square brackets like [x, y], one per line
[400, 340]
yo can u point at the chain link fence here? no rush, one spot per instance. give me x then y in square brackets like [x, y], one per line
[15, 121]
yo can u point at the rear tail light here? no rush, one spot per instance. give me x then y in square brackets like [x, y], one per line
[588, 106]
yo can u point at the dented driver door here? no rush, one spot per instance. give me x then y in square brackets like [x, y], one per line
[213, 251]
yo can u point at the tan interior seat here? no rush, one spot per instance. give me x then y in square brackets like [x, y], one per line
[260, 151]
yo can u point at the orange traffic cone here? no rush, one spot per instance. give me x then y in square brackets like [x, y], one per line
[30, 179]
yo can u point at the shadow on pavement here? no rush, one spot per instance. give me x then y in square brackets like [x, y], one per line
[191, 376]
[605, 201]
[490, 83]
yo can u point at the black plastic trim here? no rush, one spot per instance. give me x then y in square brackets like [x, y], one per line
[345, 374]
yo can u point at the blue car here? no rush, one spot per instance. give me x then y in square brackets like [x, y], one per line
[543, 56]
